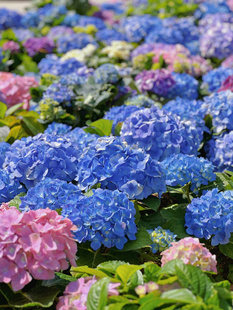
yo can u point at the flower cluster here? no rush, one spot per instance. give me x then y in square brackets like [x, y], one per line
[228, 62]
[57, 129]
[106, 217]
[9, 19]
[118, 49]
[59, 31]
[75, 294]
[181, 169]
[227, 84]
[4, 147]
[74, 41]
[9, 188]
[58, 92]
[159, 133]
[140, 101]
[192, 252]
[81, 55]
[50, 193]
[210, 216]
[106, 73]
[161, 238]
[80, 138]
[11, 46]
[186, 86]
[22, 34]
[16, 89]
[32, 159]
[108, 35]
[39, 45]
[34, 244]
[116, 165]
[146, 288]
[216, 77]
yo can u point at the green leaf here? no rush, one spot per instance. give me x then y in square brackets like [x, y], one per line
[4, 132]
[151, 272]
[174, 212]
[16, 133]
[118, 129]
[65, 277]
[152, 202]
[143, 239]
[12, 110]
[104, 125]
[89, 271]
[225, 297]
[98, 294]
[180, 295]
[124, 272]
[110, 267]
[33, 125]
[227, 249]
[151, 220]
[177, 227]
[16, 202]
[3, 109]
[170, 267]
[9, 35]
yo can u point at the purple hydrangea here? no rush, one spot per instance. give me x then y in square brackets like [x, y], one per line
[39, 45]
[115, 165]
[59, 31]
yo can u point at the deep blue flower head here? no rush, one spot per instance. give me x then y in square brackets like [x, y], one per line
[72, 79]
[108, 35]
[186, 87]
[58, 92]
[106, 73]
[71, 19]
[106, 217]
[115, 7]
[119, 114]
[91, 20]
[9, 188]
[48, 193]
[211, 7]
[161, 238]
[57, 129]
[53, 65]
[74, 41]
[33, 159]
[159, 133]
[220, 152]
[4, 147]
[9, 19]
[220, 107]
[181, 169]
[140, 101]
[115, 165]
[31, 19]
[51, 10]
[211, 216]
[136, 28]
[23, 34]
[80, 138]
[214, 78]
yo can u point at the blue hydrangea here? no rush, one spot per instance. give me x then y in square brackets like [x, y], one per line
[214, 78]
[52, 11]
[74, 41]
[9, 19]
[106, 217]
[57, 129]
[108, 35]
[33, 159]
[161, 239]
[9, 188]
[210, 216]
[4, 147]
[181, 169]
[31, 19]
[85, 72]
[58, 92]
[71, 19]
[119, 114]
[186, 87]
[92, 20]
[115, 7]
[53, 65]
[211, 7]
[48, 193]
[141, 101]
[23, 34]
[115, 165]
[136, 28]
[220, 107]
[81, 138]
[159, 133]
[106, 73]
[72, 79]
[220, 152]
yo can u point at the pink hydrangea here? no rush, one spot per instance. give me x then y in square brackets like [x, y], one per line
[227, 84]
[75, 295]
[34, 244]
[11, 46]
[16, 89]
[230, 4]
[190, 251]
[228, 62]
[4, 206]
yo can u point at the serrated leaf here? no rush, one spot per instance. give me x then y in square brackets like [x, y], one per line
[15, 202]
[174, 212]
[124, 272]
[98, 294]
[180, 295]
[33, 125]
[152, 202]
[110, 267]
[89, 271]
[227, 249]
[104, 125]
[143, 239]
[16, 133]
[65, 277]
[177, 226]
[3, 109]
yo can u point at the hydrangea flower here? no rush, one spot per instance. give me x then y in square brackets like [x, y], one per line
[59, 31]
[74, 41]
[211, 20]
[11, 46]
[22, 34]
[34, 244]
[39, 45]
[156, 81]
[91, 20]
[219, 106]
[227, 84]
[115, 165]
[50, 193]
[210, 216]
[140, 101]
[119, 114]
[33, 159]
[228, 62]
[211, 7]
[81, 138]
[108, 35]
[159, 133]
[4, 147]
[118, 49]
[106, 73]
[192, 252]
[81, 55]
[106, 217]
[53, 65]
[57, 129]
[71, 19]
[9, 19]
[75, 294]
[58, 92]
[181, 169]
[216, 77]
[161, 238]
[30, 19]
[186, 86]
[9, 188]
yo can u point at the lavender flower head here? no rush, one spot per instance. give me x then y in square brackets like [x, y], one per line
[39, 45]
[59, 31]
